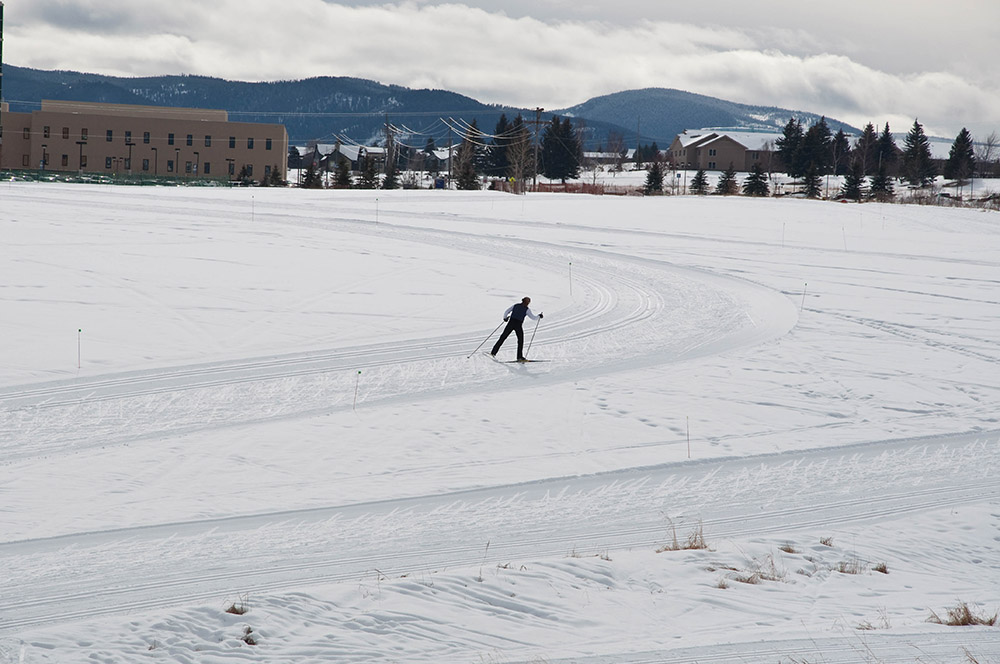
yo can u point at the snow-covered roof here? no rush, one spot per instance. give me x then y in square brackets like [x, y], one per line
[750, 139]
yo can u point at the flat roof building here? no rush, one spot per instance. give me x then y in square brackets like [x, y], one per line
[122, 139]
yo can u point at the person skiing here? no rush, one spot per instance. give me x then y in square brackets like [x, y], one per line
[514, 316]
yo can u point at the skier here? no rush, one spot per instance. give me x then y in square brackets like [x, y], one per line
[514, 316]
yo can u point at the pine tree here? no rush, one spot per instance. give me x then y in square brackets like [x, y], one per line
[918, 168]
[654, 179]
[369, 176]
[813, 182]
[816, 152]
[882, 188]
[788, 146]
[311, 180]
[496, 153]
[727, 184]
[854, 181]
[391, 180]
[962, 159]
[699, 184]
[756, 182]
[343, 178]
[885, 151]
[466, 159]
[561, 152]
[841, 153]
[865, 149]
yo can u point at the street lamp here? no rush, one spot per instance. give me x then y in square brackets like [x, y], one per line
[196, 155]
[156, 160]
[232, 167]
[128, 164]
[177, 160]
[42, 166]
[81, 144]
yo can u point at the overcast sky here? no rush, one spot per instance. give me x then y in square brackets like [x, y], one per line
[853, 60]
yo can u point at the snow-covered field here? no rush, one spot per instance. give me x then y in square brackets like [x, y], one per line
[269, 398]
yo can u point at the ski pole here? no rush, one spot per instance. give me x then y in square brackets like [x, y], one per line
[486, 339]
[533, 335]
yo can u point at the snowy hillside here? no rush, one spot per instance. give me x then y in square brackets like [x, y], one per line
[268, 399]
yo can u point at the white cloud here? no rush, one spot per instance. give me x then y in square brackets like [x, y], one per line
[495, 56]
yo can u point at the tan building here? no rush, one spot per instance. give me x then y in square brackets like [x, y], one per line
[119, 139]
[716, 149]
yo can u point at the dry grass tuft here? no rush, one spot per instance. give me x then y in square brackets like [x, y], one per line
[963, 616]
[695, 541]
[239, 607]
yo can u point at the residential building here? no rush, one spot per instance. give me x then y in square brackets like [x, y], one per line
[716, 149]
[121, 139]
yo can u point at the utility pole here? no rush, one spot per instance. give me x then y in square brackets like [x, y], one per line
[537, 122]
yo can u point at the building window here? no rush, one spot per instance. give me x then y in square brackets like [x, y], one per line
[711, 165]
[232, 142]
[145, 164]
[45, 132]
[83, 161]
[170, 165]
[25, 160]
[250, 144]
[145, 137]
[170, 139]
[107, 163]
[249, 168]
[267, 144]
[187, 167]
[27, 133]
[206, 168]
[83, 134]
[711, 153]
[208, 141]
[190, 139]
[66, 133]
[232, 167]
[128, 137]
[267, 172]
[755, 156]
[65, 160]
[111, 135]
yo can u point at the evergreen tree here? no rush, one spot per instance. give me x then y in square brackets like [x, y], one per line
[294, 158]
[343, 178]
[727, 184]
[787, 147]
[756, 182]
[962, 159]
[654, 179]
[312, 179]
[496, 153]
[841, 153]
[466, 158]
[275, 177]
[699, 183]
[816, 151]
[918, 168]
[561, 151]
[854, 180]
[885, 151]
[391, 180]
[813, 182]
[882, 188]
[369, 176]
[865, 149]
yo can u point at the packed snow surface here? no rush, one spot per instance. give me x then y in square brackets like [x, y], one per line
[273, 399]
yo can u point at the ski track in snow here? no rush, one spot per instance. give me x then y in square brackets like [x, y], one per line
[627, 312]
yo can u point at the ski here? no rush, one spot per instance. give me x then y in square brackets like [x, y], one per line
[521, 361]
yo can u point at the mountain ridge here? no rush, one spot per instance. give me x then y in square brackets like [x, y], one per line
[328, 108]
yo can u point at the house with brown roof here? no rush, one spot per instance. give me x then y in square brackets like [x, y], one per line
[716, 149]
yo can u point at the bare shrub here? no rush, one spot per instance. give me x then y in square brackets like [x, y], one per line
[826, 541]
[852, 566]
[240, 606]
[881, 567]
[787, 548]
[963, 616]
[248, 637]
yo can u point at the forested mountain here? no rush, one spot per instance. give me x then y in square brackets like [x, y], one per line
[325, 108]
[659, 114]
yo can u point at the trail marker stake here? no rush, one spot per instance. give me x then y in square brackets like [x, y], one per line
[79, 346]
[688, 418]
[804, 286]
[357, 383]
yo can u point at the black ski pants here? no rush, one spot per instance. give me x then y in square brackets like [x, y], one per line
[514, 326]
